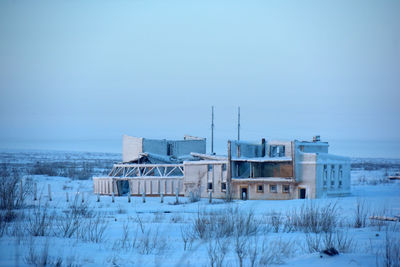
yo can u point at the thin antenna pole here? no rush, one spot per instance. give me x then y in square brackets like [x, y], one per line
[212, 129]
[238, 127]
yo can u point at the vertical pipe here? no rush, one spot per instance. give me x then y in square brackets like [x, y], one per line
[212, 130]
[229, 174]
[238, 126]
[263, 147]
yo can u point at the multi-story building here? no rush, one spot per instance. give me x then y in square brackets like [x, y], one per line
[265, 170]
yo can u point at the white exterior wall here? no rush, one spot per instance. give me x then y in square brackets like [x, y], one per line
[197, 177]
[333, 187]
[131, 147]
[306, 172]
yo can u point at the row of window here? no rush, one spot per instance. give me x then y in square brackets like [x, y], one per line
[273, 188]
[332, 176]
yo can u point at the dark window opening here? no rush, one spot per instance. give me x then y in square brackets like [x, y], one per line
[223, 186]
[169, 149]
[302, 193]
[272, 188]
[210, 186]
[210, 167]
[223, 167]
[277, 151]
[285, 188]
[260, 188]
[243, 193]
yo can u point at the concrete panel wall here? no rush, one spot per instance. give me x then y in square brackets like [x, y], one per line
[185, 147]
[197, 177]
[247, 150]
[131, 147]
[155, 146]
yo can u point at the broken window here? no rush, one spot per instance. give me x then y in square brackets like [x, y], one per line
[285, 188]
[209, 186]
[223, 167]
[169, 149]
[210, 167]
[260, 188]
[272, 188]
[340, 176]
[223, 186]
[277, 151]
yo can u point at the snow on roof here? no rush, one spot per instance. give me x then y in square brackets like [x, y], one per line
[207, 156]
[204, 162]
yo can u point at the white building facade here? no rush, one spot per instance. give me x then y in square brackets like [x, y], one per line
[269, 170]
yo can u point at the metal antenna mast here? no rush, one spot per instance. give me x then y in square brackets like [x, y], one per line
[212, 129]
[238, 138]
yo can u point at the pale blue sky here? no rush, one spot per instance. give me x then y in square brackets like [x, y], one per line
[79, 74]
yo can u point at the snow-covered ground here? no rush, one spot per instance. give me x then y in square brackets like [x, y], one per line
[123, 233]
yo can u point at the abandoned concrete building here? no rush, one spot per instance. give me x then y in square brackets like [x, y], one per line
[266, 170]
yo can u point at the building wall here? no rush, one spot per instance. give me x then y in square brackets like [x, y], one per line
[247, 150]
[266, 194]
[199, 174]
[274, 169]
[335, 171]
[306, 171]
[310, 173]
[185, 147]
[131, 147]
[155, 146]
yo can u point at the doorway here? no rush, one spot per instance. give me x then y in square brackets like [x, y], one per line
[123, 187]
[302, 193]
[244, 193]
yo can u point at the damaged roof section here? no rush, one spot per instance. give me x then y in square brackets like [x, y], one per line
[139, 149]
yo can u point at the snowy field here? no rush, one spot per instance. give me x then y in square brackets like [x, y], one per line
[86, 232]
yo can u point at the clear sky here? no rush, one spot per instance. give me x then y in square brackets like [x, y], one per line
[76, 75]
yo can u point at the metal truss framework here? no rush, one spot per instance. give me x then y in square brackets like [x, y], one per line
[146, 170]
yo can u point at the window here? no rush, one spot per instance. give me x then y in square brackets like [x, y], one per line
[260, 188]
[210, 167]
[223, 186]
[340, 176]
[272, 188]
[325, 175]
[285, 188]
[277, 151]
[169, 149]
[333, 175]
[223, 167]
[209, 186]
